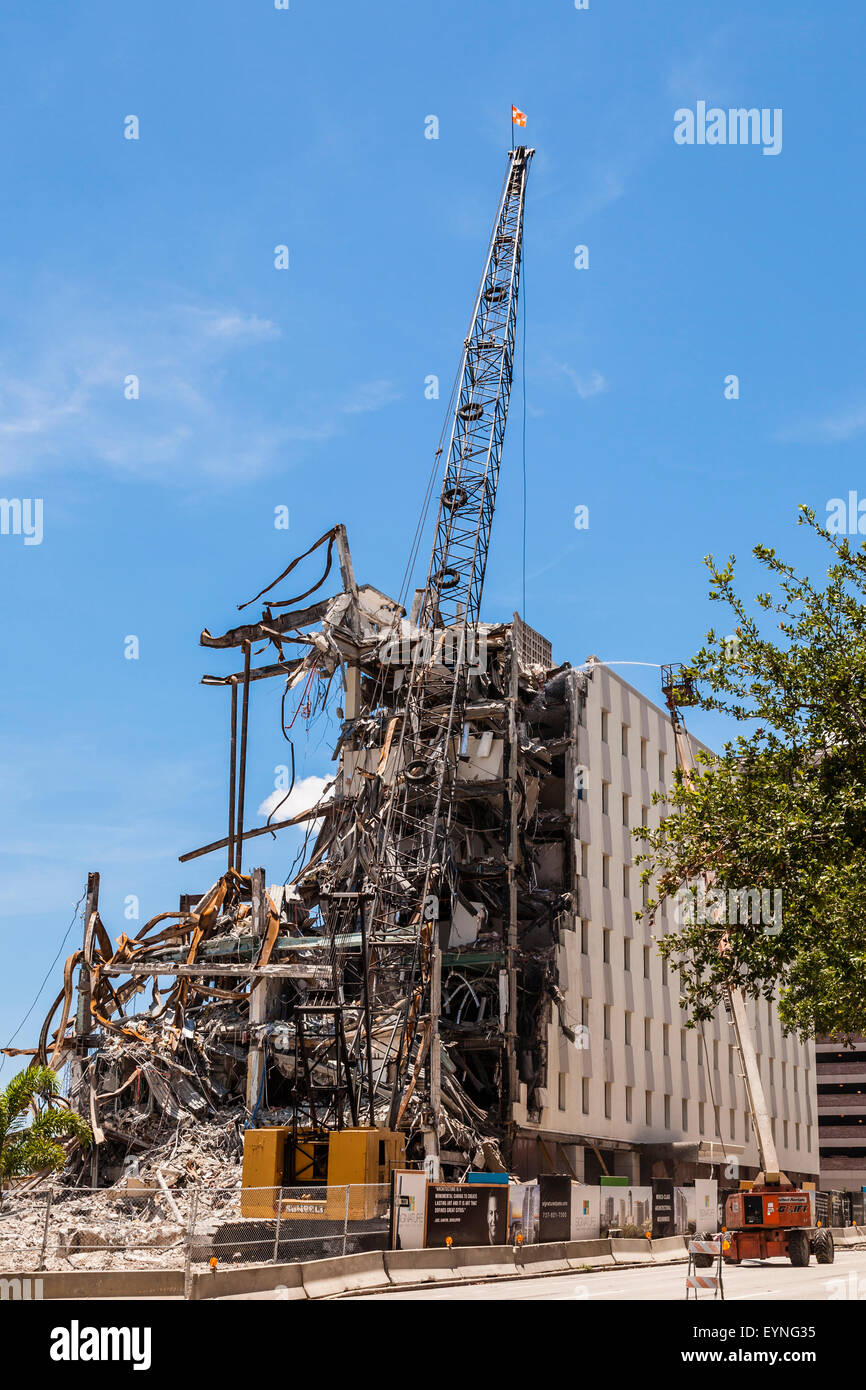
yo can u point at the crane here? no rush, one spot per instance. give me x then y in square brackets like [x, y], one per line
[772, 1217]
[452, 596]
[404, 857]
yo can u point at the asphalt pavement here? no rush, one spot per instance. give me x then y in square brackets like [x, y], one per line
[751, 1281]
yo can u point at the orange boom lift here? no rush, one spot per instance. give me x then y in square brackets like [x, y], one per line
[769, 1216]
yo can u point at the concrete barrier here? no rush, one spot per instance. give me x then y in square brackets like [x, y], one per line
[481, 1261]
[93, 1283]
[626, 1251]
[420, 1266]
[596, 1253]
[345, 1274]
[536, 1259]
[669, 1249]
[846, 1236]
[234, 1283]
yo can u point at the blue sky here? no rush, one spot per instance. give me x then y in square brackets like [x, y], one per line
[305, 387]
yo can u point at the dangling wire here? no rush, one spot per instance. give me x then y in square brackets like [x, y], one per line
[304, 704]
[285, 798]
[291, 787]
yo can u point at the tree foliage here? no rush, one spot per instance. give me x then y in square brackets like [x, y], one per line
[32, 1122]
[783, 808]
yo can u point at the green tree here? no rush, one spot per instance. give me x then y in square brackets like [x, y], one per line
[32, 1147]
[783, 808]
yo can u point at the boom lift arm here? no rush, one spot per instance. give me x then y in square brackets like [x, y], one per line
[678, 691]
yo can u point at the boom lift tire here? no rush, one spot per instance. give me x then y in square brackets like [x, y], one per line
[798, 1248]
[824, 1247]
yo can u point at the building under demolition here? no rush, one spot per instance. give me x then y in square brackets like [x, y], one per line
[547, 1036]
[456, 958]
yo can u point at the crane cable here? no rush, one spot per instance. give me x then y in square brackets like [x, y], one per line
[47, 976]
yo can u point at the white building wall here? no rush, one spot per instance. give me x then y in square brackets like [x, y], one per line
[628, 996]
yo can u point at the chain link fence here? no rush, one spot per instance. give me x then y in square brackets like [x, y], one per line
[282, 1225]
[55, 1228]
[142, 1226]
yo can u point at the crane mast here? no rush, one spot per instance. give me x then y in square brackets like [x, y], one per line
[404, 855]
[408, 884]
[456, 574]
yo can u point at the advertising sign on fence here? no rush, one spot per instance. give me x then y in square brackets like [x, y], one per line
[523, 1213]
[554, 1207]
[410, 1210]
[663, 1222]
[585, 1212]
[470, 1213]
[706, 1204]
[626, 1207]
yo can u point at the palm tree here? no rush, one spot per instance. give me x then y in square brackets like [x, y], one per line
[32, 1147]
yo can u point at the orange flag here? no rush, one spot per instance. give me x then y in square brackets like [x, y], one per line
[517, 117]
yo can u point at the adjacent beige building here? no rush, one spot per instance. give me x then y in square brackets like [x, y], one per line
[636, 1087]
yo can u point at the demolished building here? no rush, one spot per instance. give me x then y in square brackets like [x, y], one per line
[560, 1039]
[255, 999]
[455, 956]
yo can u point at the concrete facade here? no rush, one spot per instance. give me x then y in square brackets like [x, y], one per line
[841, 1077]
[636, 1080]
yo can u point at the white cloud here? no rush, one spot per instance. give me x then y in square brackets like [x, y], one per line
[585, 385]
[240, 327]
[305, 794]
[371, 395]
[62, 401]
[833, 429]
[68, 403]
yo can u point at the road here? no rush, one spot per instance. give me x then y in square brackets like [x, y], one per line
[845, 1278]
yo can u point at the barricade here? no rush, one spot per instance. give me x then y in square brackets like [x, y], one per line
[669, 1249]
[249, 1279]
[536, 1259]
[695, 1281]
[420, 1266]
[345, 1274]
[845, 1237]
[627, 1251]
[479, 1261]
[91, 1283]
[588, 1252]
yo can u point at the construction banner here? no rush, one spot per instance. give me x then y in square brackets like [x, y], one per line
[468, 1213]
[663, 1213]
[706, 1204]
[554, 1207]
[409, 1210]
